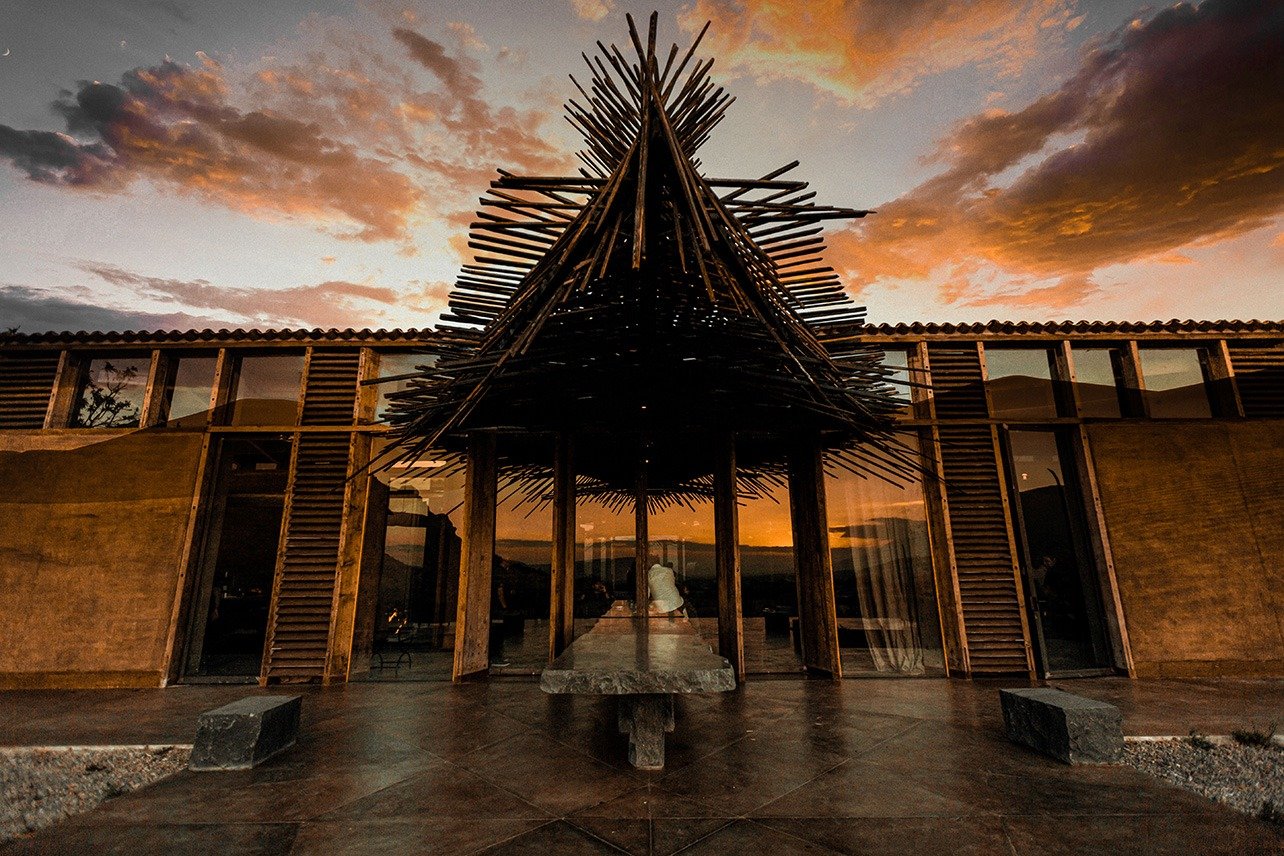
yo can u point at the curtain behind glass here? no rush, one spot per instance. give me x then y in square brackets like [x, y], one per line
[883, 576]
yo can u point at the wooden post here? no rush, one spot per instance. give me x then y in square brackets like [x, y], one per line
[816, 605]
[472, 617]
[641, 548]
[562, 601]
[726, 546]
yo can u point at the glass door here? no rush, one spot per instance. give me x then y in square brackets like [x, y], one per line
[1060, 574]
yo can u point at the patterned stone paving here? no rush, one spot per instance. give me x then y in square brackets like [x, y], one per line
[778, 767]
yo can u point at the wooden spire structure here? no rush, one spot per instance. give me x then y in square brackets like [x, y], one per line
[648, 311]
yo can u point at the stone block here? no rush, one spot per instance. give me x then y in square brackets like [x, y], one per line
[245, 733]
[1064, 726]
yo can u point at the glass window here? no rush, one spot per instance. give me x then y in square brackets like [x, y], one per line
[883, 579]
[1098, 379]
[1020, 383]
[1174, 381]
[769, 584]
[190, 390]
[407, 610]
[898, 378]
[680, 537]
[521, 579]
[111, 393]
[267, 390]
[397, 364]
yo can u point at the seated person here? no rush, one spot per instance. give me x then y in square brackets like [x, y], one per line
[665, 598]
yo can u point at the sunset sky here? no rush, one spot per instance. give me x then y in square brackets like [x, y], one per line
[224, 163]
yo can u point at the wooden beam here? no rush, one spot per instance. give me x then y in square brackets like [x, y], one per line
[562, 600]
[726, 546]
[816, 604]
[472, 617]
[641, 547]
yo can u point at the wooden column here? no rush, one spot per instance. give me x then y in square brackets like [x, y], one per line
[472, 618]
[816, 607]
[641, 548]
[726, 546]
[562, 601]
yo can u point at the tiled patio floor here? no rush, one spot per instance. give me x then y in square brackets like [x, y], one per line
[779, 767]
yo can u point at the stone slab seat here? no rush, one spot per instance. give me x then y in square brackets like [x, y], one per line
[1065, 726]
[245, 733]
[645, 662]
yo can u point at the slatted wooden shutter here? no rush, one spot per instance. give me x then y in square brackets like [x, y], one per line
[26, 385]
[994, 625]
[1259, 374]
[307, 564]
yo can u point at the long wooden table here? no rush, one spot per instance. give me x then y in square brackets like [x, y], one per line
[645, 661]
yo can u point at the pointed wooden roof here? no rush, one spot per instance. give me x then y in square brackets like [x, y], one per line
[646, 308]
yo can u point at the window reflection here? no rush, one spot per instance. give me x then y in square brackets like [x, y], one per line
[681, 537]
[396, 364]
[411, 585]
[883, 579]
[769, 585]
[190, 387]
[899, 377]
[1098, 381]
[604, 558]
[267, 390]
[1020, 383]
[521, 578]
[112, 392]
[1175, 383]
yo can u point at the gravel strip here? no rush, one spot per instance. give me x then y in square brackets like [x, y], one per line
[43, 785]
[1246, 778]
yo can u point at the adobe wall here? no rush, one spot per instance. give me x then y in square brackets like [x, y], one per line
[92, 531]
[1195, 513]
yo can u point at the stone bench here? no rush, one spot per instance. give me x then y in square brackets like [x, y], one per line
[645, 662]
[245, 733]
[1067, 727]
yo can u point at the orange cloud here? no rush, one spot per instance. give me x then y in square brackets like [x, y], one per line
[361, 134]
[1177, 121]
[864, 51]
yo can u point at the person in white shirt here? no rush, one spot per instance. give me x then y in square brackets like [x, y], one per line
[665, 597]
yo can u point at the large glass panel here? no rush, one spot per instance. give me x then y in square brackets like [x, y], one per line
[604, 558]
[681, 538]
[883, 580]
[190, 390]
[521, 579]
[1020, 384]
[1174, 380]
[410, 581]
[1058, 564]
[396, 364]
[111, 394]
[267, 390]
[243, 530]
[769, 585]
[1098, 380]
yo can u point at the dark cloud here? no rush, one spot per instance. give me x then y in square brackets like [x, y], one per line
[34, 310]
[1177, 130]
[176, 126]
[178, 11]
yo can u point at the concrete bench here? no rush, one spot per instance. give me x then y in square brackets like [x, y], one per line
[1067, 727]
[645, 662]
[245, 733]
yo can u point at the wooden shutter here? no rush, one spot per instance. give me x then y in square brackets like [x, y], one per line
[1259, 374]
[26, 384]
[307, 565]
[994, 623]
